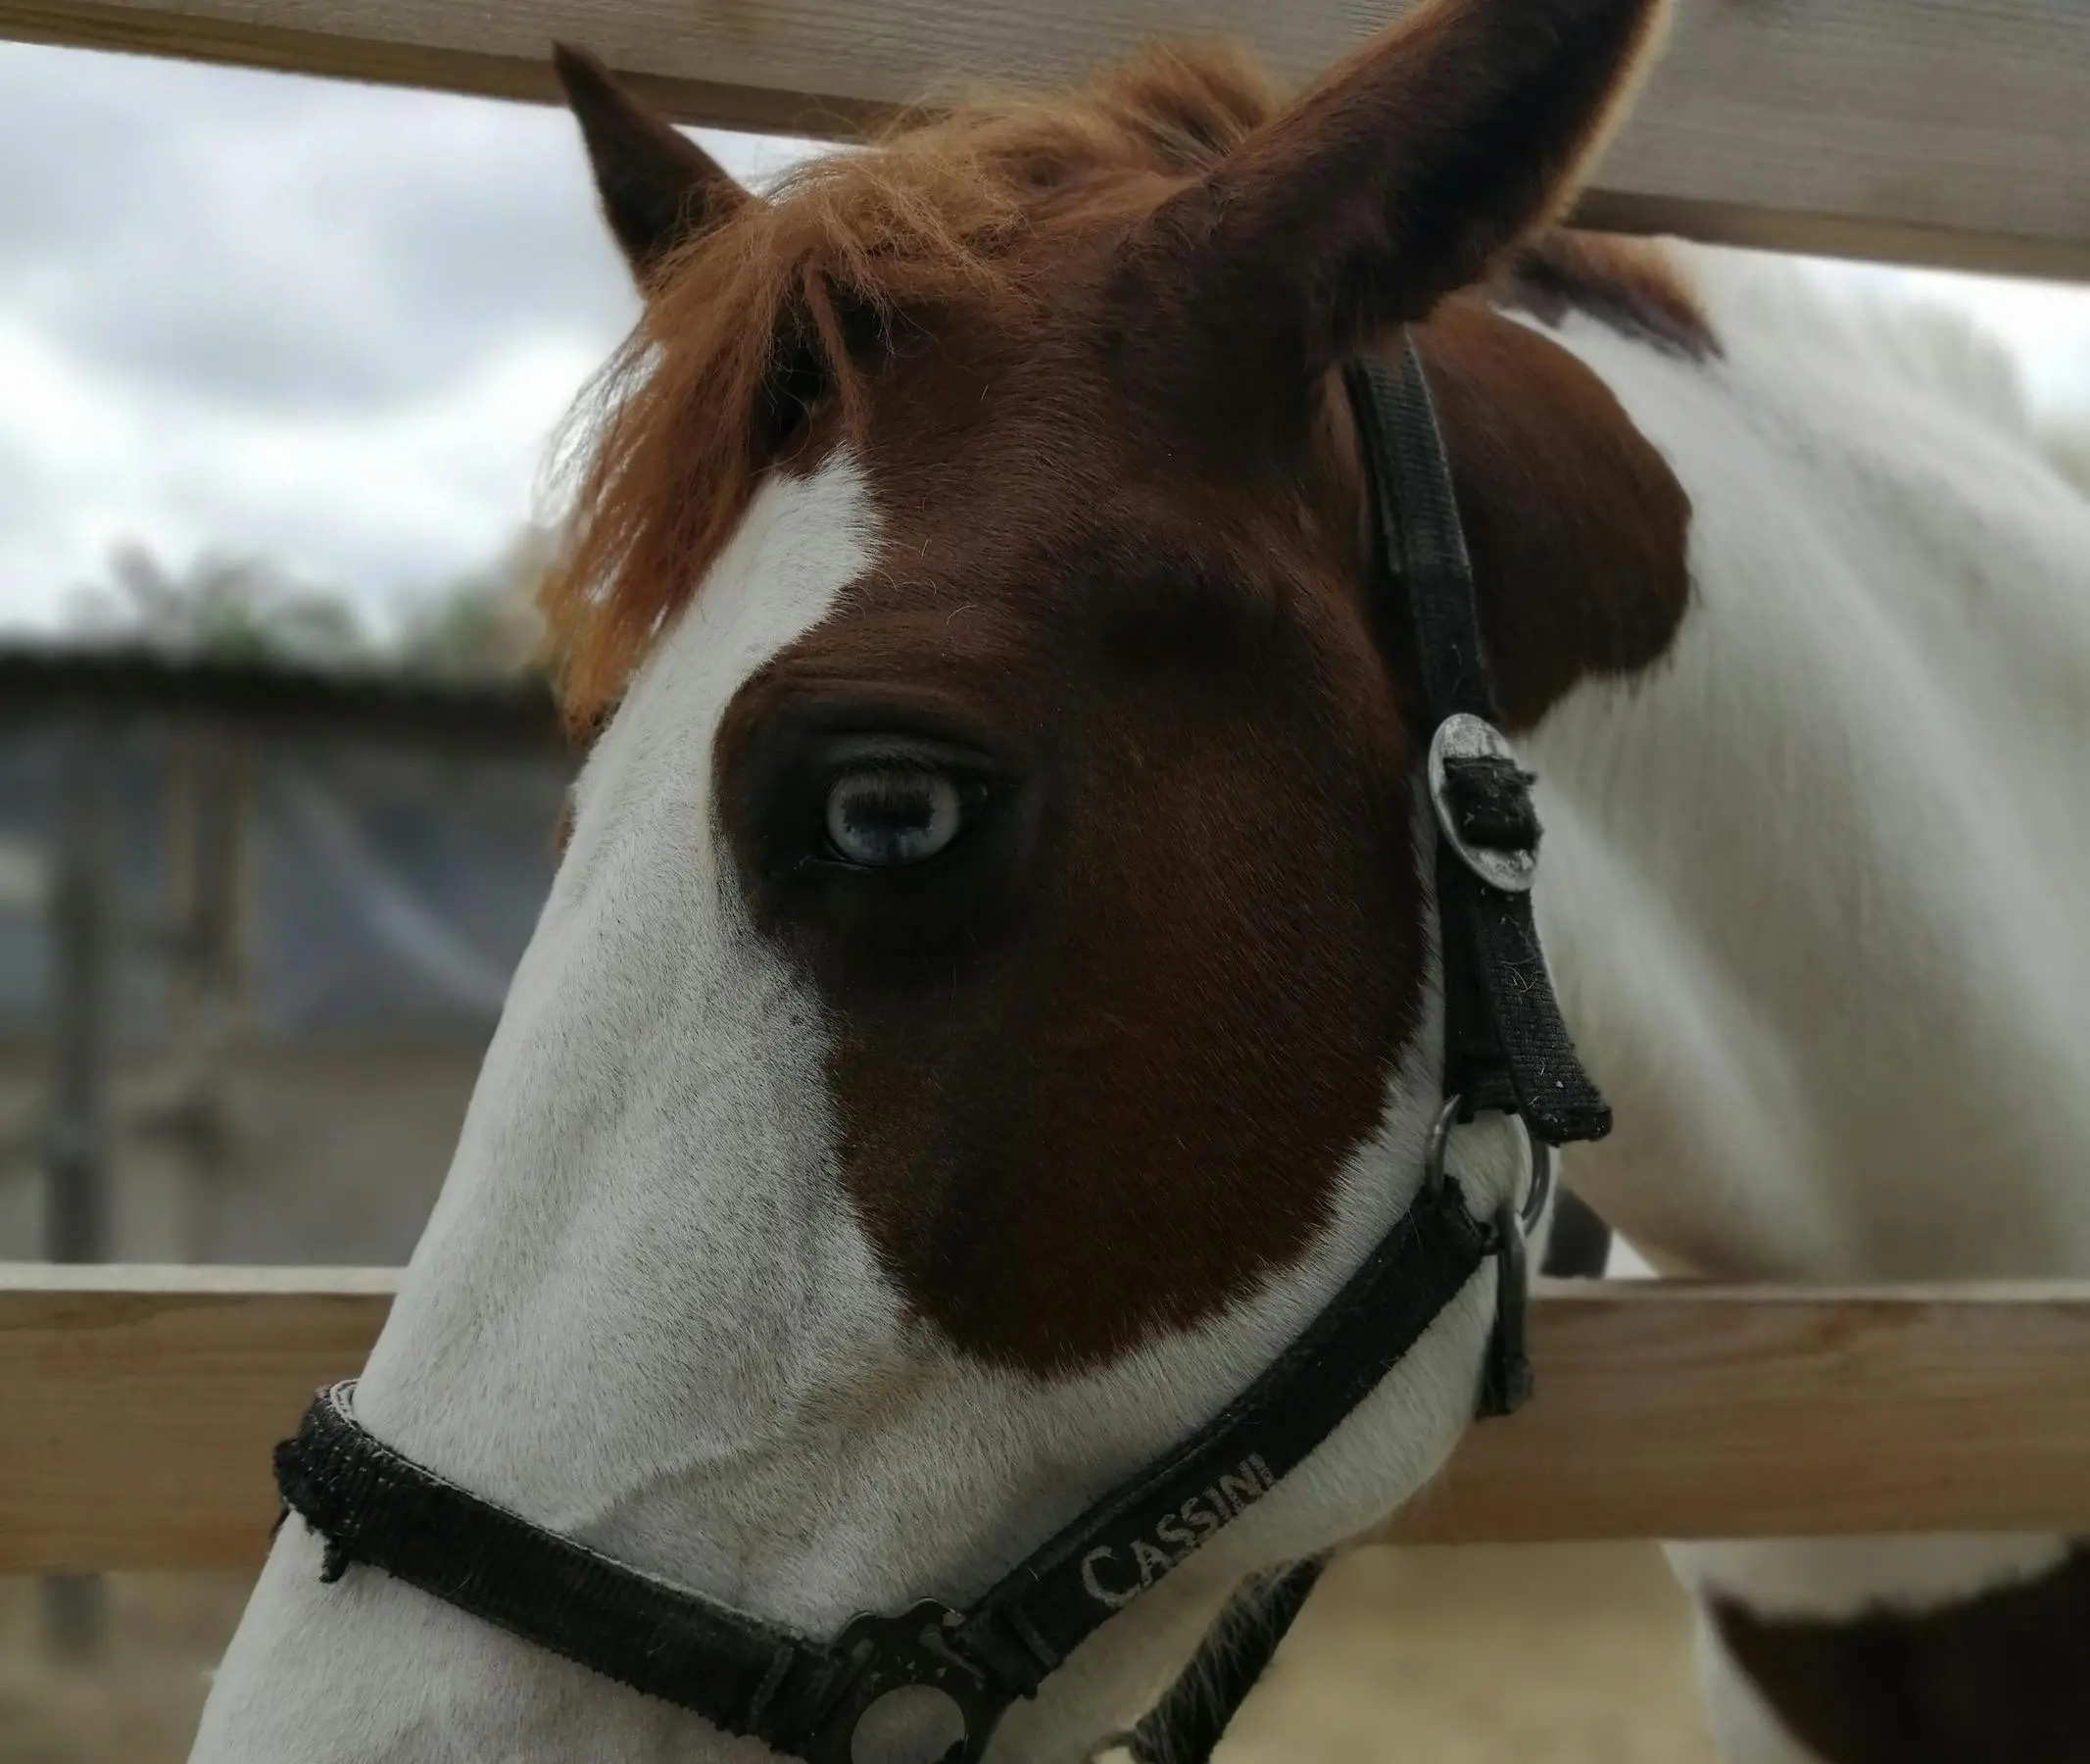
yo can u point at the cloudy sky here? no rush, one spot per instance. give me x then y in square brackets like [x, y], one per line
[335, 325]
[332, 324]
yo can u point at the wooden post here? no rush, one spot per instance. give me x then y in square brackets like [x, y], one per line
[201, 940]
[76, 1221]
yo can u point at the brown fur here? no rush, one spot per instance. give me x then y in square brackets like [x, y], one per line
[1097, 1077]
[657, 186]
[1632, 285]
[1576, 528]
[966, 210]
[1995, 1677]
[1096, 1071]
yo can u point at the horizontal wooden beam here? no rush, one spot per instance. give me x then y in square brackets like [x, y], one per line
[139, 1406]
[1946, 132]
[1674, 1410]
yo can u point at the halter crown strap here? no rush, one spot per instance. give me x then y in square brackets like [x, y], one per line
[1506, 1047]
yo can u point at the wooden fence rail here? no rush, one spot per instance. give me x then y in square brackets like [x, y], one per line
[138, 1407]
[1950, 132]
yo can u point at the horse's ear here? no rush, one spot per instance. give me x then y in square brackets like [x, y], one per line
[657, 186]
[1402, 175]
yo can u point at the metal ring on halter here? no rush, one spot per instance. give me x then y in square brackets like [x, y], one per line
[1540, 1191]
[1538, 1159]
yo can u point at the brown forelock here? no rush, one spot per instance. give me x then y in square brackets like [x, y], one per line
[2002, 1679]
[1097, 1070]
[848, 254]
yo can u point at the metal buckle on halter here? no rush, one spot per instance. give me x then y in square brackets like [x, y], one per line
[1483, 801]
[877, 1704]
[1506, 1372]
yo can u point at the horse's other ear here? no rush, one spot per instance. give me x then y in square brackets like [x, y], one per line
[1402, 174]
[657, 186]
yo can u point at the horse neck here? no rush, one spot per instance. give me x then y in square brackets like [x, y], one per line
[1815, 917]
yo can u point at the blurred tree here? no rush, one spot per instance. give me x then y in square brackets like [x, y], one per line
[484, 623]
[222, 608]
[228, 608]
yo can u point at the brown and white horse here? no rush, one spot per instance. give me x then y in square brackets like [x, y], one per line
[988, 1003]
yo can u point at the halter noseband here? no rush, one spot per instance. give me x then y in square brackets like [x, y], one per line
[1506, 1050]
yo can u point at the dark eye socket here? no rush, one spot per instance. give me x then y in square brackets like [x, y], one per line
[872, 843]
[891, 803]
[881, 817]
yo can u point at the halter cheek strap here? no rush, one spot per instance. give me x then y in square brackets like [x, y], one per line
[1506, 1048]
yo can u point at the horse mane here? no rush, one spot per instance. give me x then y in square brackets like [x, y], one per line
[666, 446]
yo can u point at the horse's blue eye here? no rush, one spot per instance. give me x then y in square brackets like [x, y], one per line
[892, 815]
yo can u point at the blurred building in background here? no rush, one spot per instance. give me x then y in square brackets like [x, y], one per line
[256, 918]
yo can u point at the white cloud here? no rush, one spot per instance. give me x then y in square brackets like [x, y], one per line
[333, 324]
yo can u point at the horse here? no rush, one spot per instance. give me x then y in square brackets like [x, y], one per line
[991, 997]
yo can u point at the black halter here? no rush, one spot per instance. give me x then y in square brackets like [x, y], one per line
[1506, 1049]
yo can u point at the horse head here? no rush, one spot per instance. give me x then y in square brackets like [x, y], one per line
[989, 1001]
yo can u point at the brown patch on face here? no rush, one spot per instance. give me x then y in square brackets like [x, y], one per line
[1095, 1078]
[2003, 1677]
[1097, 1066]
[1094, 1074]
[1633, 285]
